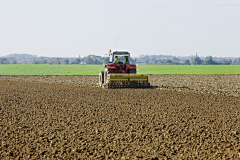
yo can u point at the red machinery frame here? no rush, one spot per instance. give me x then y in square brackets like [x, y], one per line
[120, 68]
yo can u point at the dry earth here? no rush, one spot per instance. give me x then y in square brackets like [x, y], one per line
[215, 84]
[75, 120]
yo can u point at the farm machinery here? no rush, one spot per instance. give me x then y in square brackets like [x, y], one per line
[119, 73]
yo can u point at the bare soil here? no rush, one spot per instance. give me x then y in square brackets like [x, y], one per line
[40, 118]
[215, 84]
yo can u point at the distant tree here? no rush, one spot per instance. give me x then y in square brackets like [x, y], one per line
[66, 61]
[230, 61]
[39, 62]
[3, 61]
[77, 61]
[209, 60]
[12, 61]
[95, 61]
[44, 61]
[197, 61]
[144, 58]
[167, 61]
[159, 62]
[50, 61]
[34, 62]
[175, 59]
[89, 60]
[105, 60]
[132, 61]
[226, 62]
[187, 62]
[236, 61]
[57, 60]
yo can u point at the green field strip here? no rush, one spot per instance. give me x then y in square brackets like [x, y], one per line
[188, 69]
[31, 69]
[81, 69]
[46, 69]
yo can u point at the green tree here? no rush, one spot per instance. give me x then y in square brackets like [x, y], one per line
[57, 60]
[44, 61]
[34, 62]
[159, 62]
[12, 61]
[95, 61]
[89, 60]
[209, 60]
[132, 61]
[105, 60]
[3, 61]
[187, 62]
[66, 61]
[175, 59]
[167, 61]
[197, 61]
[77, 61]
[226, 62]
[236, 61]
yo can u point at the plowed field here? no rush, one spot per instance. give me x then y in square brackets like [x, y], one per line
[76, 120]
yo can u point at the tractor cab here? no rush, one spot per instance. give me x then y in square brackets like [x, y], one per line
[122, 55]
[122, 66]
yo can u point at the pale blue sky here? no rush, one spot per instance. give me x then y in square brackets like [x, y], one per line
[68, 28]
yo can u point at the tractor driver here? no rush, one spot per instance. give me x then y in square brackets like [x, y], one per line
[116, 60]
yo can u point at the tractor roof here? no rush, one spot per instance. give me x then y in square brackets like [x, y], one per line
[121, 52]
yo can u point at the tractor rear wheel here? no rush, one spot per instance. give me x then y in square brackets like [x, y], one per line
[101, 78]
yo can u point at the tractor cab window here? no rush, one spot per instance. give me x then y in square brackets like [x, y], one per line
[126, 61]
[121, 58]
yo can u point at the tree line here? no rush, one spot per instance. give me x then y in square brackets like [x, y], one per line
[10, 60]
[90, 59]
[142, 59]
[209, 61]
[195, 61]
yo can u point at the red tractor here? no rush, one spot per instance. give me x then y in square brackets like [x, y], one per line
[123, 65]
[119, 73]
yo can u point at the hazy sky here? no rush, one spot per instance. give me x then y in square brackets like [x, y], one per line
[68, 28]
